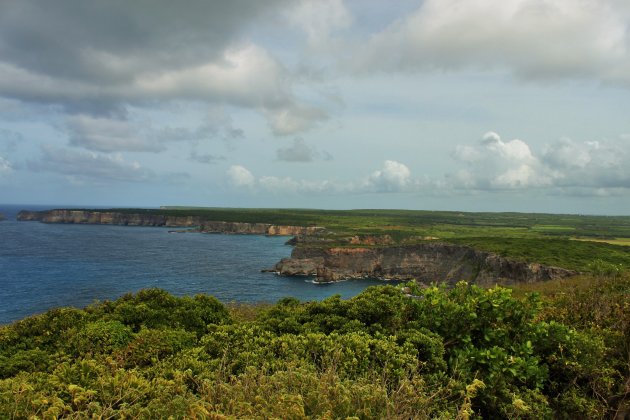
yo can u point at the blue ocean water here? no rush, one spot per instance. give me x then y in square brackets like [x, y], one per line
[43, 266]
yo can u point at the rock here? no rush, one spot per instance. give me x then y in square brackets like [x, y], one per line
[299, 267]
[2, 217]
[151, 219]
[425, 263]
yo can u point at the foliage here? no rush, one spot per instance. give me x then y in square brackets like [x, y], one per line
[574, 242]
[464, 352]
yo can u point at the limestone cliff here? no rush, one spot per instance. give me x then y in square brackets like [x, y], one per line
[149, 219]
[430, 262]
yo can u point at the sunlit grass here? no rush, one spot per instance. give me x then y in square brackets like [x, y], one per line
[616, 241]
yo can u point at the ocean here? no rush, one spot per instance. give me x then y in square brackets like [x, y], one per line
[43, 266]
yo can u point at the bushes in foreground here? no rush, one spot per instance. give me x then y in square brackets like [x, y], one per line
[441, 353]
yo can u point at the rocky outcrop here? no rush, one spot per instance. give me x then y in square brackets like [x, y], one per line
[2, 217]
[151, 219]
[430, 262]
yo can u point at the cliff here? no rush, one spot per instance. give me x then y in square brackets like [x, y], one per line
[429, 262]
[142, 219]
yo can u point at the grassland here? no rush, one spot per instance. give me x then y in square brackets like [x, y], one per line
[572, 241]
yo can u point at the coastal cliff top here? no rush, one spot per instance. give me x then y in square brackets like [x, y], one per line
[577, 242]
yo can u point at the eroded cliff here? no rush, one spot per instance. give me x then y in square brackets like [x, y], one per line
[429, 262]
[142, 219]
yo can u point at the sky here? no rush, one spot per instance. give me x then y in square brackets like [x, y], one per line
[465, 105]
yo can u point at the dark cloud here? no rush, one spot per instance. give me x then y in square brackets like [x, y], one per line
[205, 158]
[299, 151]
[105, 134]
[112, 41]
[89, 166]
[216, 125]
[109, 135]
[98, 57]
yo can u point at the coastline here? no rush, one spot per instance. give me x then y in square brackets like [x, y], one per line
[376, 257]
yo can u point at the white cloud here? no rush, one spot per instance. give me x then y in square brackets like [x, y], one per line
[495, 164]
[240, 176]
[593, 164]
[591, 167]
[535, 39]
[5, 166]
[393, 177]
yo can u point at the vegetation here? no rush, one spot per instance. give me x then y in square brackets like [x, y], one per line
[461, 353]
[569, 241]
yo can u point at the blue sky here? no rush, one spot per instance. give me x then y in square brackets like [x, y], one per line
[478, 105]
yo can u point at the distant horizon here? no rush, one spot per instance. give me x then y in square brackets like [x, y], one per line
[88, 207]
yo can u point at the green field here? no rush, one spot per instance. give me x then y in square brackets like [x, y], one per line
[533, 237]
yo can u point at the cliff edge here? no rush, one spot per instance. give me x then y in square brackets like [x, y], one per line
[164, 220]
[429, 262]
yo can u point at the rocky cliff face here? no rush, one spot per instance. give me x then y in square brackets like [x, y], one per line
[140, 219]
[431, 262]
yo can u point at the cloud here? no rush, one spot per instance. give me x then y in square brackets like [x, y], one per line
[320, 19]
[583, 168]
[205, 158]
[89, 166]
[495, 164]
[239, 176]
[593, 164]
[299, 151]
[98, 59]
[112, 42]
[5, 166]
[393, 177]
[109, 135]
[217, 124]
[534, 39]
[294, 118]
[590, 168]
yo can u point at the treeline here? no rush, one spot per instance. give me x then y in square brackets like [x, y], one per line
[464, 352]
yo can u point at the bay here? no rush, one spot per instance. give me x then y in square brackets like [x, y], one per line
[43, 266]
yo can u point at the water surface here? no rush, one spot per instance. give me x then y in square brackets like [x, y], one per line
[43, 266]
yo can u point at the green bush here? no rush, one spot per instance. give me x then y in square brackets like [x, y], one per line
[442, 353]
